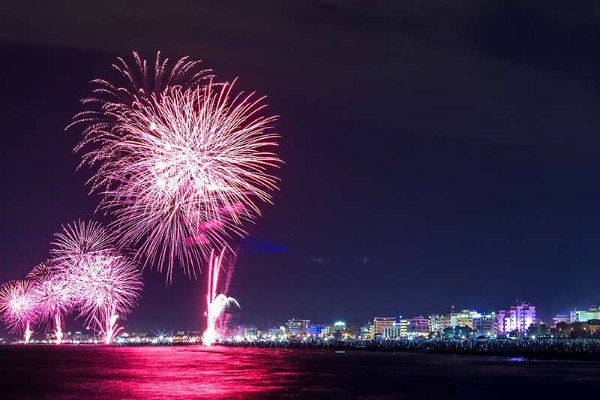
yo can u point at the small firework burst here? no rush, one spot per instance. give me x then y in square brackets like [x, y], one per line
[103, 284]
[18, 308]
[52, 294]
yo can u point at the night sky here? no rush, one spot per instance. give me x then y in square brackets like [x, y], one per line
[435, 153]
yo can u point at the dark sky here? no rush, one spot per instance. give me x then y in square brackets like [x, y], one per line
[454, 144]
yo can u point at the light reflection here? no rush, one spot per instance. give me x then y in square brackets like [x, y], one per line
[183, 372]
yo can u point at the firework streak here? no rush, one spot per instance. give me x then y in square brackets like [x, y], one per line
[215, 303]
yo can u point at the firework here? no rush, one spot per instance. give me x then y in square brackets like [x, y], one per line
[140, 80]
[106, 287]
[52, 294]
[215, 303]
[18, 308]
[104, 284]
[182, 164]
[182, 171]
[80, 241]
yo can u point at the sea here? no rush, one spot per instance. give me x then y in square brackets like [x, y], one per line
[197, 372]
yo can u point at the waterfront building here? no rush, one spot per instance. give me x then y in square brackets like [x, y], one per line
[468, 318]
[369, 331]
[353, 332]
[328, 330]
[297, 327]
[316, 330]
[336, 329]
[561, 318]
[517, 318]
[417, 326]
[393, 332]
[438, 322]
[380, 323]
[583, 316]
[485, 324]
[339, 325]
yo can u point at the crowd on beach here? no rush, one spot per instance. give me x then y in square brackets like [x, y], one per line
[526, 345]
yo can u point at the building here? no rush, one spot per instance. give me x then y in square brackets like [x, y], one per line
[486, 324]
[583, 316]
[339, 325]
[297, 327]
[467, 318]
[561, 318]
[336, 329]
[516, 319]
[367, 331]
[393, 332]
[274, 332]
[380, 323]
[316, 330]
[353, 332]
[417, 326]
[437, 323]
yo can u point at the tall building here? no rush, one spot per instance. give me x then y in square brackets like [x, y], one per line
[583, 316]
[297, 327]
[517, 318]
[380, 323]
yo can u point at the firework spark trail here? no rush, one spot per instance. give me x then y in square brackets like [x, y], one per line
[104, 284]
[180, 162]
[18, 308]
[53, 295]
[215, 303]
[140, 81]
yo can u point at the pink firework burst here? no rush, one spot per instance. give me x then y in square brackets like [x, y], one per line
[18, 308]
[174, 164]
[52, 294]
[106, 287]
[104, 284]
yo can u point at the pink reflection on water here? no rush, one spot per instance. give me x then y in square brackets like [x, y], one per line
[187, 372]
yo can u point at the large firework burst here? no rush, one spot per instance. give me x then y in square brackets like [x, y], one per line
[180, 168]
[18, 308]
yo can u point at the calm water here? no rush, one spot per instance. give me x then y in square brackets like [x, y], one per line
[194, 372]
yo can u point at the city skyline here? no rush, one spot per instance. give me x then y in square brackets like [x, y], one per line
[231, 321]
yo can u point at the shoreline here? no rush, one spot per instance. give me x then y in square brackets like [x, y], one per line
[509, 352]
[526, 353]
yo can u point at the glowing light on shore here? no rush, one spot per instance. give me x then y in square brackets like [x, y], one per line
[215, 303]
